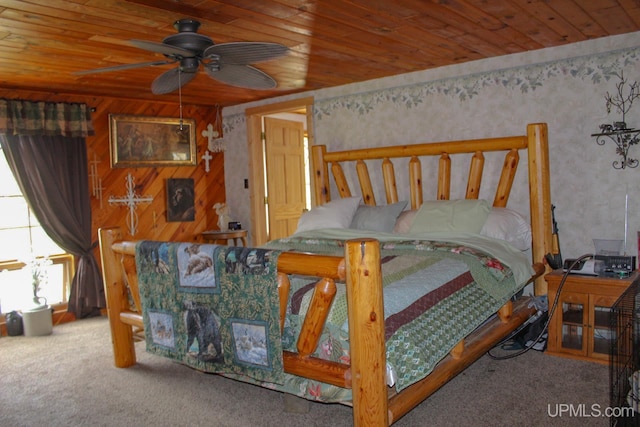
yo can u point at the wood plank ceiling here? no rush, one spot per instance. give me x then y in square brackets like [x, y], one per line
[332, 42]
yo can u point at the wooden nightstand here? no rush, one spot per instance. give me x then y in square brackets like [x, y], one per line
[579, 328]
[216, 236]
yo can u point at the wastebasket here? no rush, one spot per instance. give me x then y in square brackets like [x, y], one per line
[37, 321]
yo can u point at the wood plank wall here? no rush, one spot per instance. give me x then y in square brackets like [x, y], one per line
[209, 187]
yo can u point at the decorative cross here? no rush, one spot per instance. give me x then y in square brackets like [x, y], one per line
[131, 199]
[207, 157]
[210, 134]
[213, 142]
[96, 181]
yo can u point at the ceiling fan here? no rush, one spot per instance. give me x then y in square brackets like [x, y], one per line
[227, 63]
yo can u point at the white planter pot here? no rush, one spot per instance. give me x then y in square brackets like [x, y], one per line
[37, 321]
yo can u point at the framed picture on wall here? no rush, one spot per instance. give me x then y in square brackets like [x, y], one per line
[180, 200]
[138, 141]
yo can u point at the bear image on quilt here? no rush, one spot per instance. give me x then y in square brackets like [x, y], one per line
[203, 326]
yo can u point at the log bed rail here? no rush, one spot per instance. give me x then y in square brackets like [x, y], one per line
[374, 404]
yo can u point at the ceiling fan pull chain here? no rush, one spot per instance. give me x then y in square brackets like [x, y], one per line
[180, 96]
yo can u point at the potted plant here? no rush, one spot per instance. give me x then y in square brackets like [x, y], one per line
[38, 320]
[39, 276]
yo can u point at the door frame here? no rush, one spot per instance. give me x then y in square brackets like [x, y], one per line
[256, 159]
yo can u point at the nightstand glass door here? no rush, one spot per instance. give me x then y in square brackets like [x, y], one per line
[573, 321]
[601, 332]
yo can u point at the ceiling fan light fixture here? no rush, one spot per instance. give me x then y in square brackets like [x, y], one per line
[189, 65]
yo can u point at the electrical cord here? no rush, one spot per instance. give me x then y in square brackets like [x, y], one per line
[533, 318]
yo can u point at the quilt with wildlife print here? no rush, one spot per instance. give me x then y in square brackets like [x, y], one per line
[212, 307]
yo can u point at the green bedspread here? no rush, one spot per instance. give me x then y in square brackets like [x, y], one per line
[436, 292]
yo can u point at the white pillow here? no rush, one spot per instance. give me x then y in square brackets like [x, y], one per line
[509, 225]
[335, 214]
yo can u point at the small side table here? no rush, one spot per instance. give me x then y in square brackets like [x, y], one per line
[215, 236]
[580, 326]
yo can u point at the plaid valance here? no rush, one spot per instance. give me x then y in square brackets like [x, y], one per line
[19, 117]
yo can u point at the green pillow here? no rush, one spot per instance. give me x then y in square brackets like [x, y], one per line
[377, 218]
[465, 215]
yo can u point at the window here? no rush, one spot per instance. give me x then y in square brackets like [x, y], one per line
[22, 239]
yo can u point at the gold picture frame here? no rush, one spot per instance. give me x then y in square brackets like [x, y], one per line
[139, 141]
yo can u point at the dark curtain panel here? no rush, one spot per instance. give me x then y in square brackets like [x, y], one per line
[52, 173]
[44, 144]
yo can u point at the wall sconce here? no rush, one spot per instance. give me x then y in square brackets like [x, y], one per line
[623, 138]
[618, 132]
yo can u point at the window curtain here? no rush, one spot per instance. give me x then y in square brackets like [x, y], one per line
[45, 147]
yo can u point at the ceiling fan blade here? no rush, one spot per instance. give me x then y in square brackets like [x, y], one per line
[244, 53]
[122, 67]
[170, 80]
[244, 76]
[163, 48]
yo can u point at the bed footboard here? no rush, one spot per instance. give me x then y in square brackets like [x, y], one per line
[360, 267]
[373, 402]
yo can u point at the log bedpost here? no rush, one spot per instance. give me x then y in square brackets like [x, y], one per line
[124, 351]
[366, 333]
[540, 197]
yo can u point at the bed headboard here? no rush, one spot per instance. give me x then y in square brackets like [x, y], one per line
[534, 142]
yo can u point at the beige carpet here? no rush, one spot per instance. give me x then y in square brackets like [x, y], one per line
[68, 379]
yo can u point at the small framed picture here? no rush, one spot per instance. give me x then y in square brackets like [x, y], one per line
[180, 200]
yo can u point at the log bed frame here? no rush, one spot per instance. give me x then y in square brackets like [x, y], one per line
[374, 404]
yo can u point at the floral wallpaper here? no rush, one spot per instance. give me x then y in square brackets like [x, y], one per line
[593, 69]
[564, 87]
